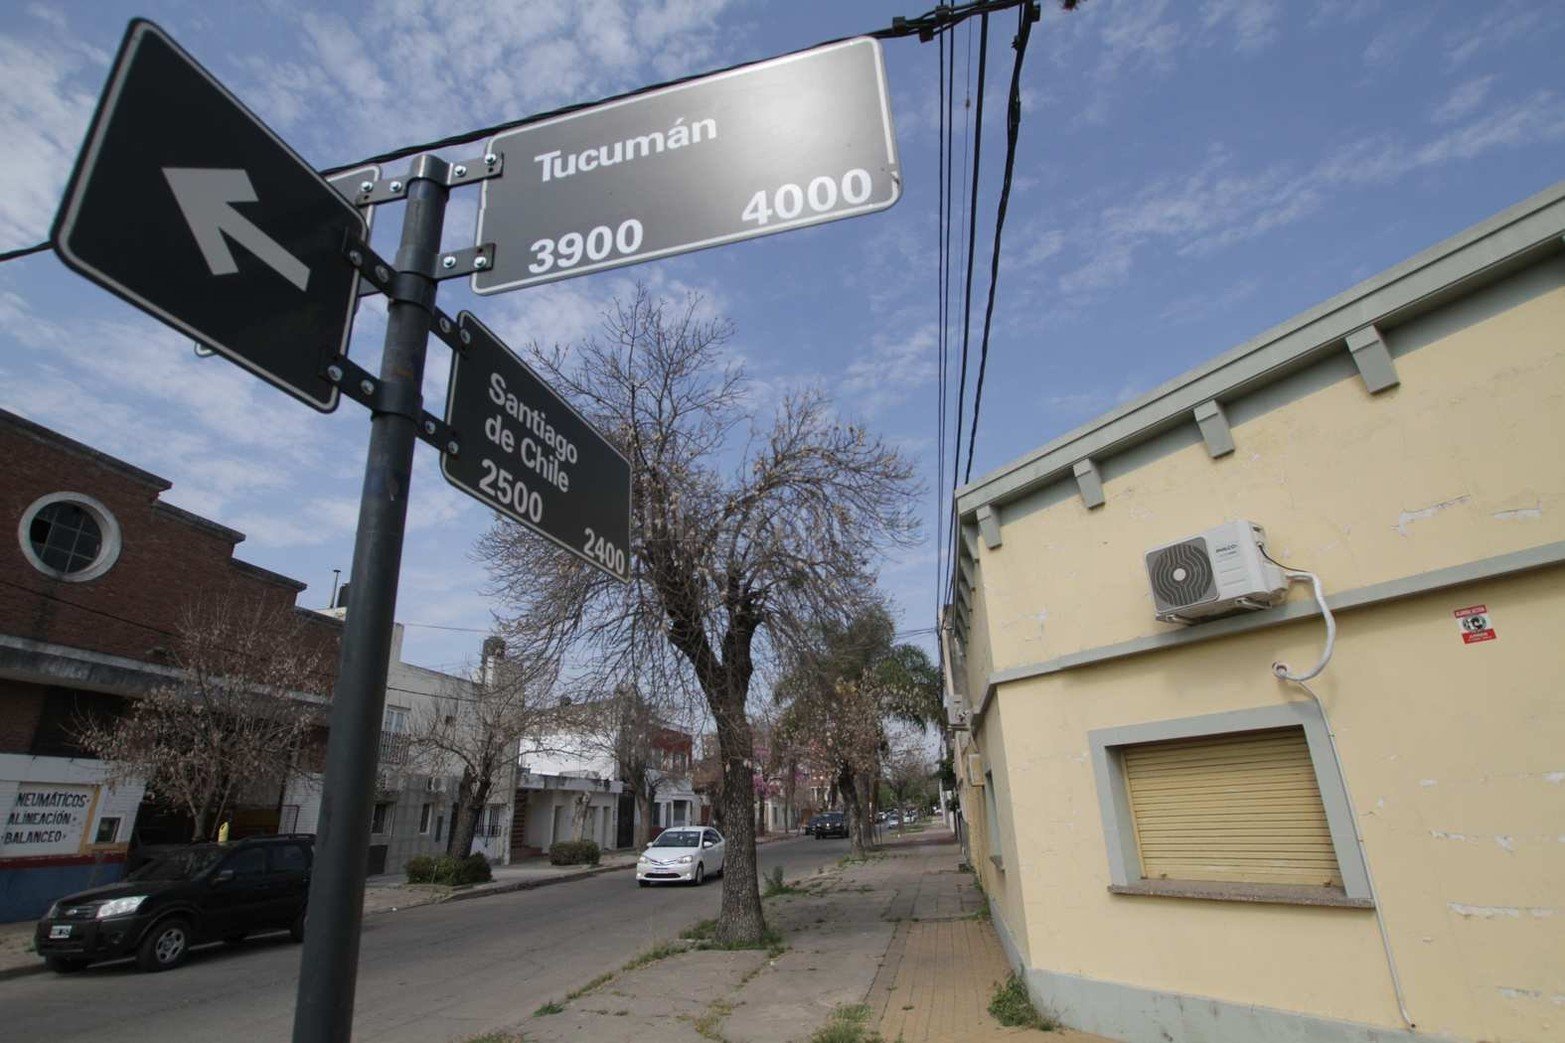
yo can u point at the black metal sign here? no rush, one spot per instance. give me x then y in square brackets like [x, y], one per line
[186, 205]
[523, 451]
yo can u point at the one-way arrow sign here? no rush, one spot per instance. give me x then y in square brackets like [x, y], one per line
[188, 206]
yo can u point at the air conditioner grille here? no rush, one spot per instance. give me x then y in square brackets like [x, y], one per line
[1182, 574]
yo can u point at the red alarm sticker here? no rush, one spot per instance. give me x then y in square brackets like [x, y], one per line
[1475, 624]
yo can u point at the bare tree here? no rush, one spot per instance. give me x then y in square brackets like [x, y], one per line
[477, 729]
[907, 769]
[744, 527]
[842, 689]
[252, 681]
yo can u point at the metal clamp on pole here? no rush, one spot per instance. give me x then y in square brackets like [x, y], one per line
[452, 175]
[410, 287]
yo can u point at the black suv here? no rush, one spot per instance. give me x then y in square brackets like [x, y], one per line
[187, 895]
[830, 824]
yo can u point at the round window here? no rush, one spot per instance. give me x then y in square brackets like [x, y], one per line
[70, 536]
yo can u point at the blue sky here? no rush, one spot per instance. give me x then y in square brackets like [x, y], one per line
[1189, 174]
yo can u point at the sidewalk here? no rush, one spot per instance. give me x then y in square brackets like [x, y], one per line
[894, 948]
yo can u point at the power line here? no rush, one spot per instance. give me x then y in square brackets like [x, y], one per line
[924, 26]
[1027, 14]
[940, 322]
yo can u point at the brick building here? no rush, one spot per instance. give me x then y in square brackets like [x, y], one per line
[92, 586]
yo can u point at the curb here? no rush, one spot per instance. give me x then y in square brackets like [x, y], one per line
[22, 971]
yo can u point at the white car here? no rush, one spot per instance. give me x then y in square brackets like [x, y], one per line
[684, 853]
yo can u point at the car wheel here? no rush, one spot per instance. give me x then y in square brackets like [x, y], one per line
[165, 946]
[296, 929]
[699, 877]
[64, 964]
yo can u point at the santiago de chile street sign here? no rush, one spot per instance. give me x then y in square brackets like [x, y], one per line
[523, 451]
[187, 206]
[781, 144]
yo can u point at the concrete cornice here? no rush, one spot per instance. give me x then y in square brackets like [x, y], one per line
[1530, 229]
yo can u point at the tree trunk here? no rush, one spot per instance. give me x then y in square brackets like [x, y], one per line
[858, 843]
[642, 832]
[740, 920]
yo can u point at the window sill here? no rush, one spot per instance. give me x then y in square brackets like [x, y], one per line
[1270, 894]
[999, 863]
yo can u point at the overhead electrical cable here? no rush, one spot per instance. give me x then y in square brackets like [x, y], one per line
[940, 341]
[1013, 120]
[972, 236]
[924, 26]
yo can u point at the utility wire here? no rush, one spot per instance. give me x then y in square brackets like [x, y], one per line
[940, 341]
[924, 26]
[972, 236]
[1027, 13]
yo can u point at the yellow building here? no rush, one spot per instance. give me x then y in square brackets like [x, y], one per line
[1177, 843]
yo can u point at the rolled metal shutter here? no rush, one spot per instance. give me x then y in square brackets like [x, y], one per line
[1243, 807]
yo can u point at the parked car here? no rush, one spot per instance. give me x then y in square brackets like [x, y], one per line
[189, 895]
[684, 853]
[830, 824]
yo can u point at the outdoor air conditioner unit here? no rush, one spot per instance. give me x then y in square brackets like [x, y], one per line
[1219, 572]
[975, 769]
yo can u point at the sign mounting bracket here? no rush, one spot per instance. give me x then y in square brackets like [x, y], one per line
[463, 172]
[359, 384]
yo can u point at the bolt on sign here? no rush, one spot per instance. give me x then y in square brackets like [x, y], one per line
[526, 453]
[781, 144]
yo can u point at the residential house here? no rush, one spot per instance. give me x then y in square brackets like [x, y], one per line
[93, 588]
[1177, 840]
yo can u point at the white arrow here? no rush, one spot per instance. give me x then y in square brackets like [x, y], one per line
[206, 198]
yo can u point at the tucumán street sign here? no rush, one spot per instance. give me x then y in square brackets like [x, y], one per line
[523, 451]
[186, 205]
[781, 144]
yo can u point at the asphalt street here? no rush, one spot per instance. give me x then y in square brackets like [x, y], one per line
[434, 973]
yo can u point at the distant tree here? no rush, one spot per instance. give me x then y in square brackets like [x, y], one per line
[252, 681]
[907, 770]
[476, 731]
[747, 522]
[843, 688]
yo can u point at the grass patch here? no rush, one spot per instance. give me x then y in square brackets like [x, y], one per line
[496, 1037]
[706, 1024]
[704, 934]
[1011, 1006]
[602, 979]
[775, 885]
[552, 1007]
[654, 954]
[848, 1025]
[864, 859]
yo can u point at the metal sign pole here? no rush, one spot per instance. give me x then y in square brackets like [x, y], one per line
[329, 966]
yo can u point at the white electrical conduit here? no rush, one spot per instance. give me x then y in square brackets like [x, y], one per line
[1281, 672]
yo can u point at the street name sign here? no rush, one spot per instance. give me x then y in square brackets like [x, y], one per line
[186, 205]
[781, 144]
[523, 451]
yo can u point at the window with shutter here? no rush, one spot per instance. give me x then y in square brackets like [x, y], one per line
[1242, 807]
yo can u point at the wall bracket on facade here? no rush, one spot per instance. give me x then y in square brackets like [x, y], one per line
[989, 526]
[1373, 359]
[1215, 432]
[1089, 483]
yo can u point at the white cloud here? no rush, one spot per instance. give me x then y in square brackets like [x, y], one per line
[892, 369]
[47, 101]
[1463, 100]
[1254, 22]
[1501, 24]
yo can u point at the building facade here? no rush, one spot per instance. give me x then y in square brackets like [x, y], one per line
[1177, 842]
[96, 573]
